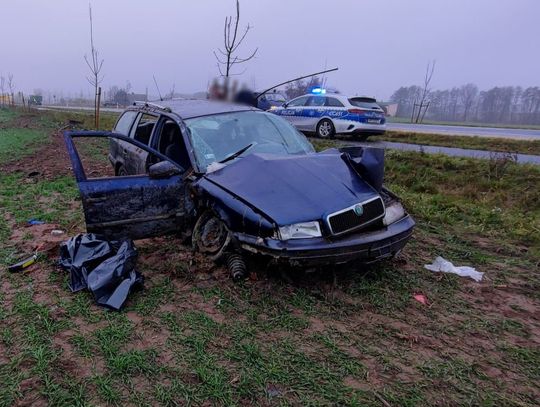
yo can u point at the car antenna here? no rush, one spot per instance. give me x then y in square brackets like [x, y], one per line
[157, 87]
[295, 79]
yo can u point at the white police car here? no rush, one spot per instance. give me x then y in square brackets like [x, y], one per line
[330, 114]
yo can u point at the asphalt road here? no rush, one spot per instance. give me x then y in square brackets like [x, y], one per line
[523, 134]
[466, 131]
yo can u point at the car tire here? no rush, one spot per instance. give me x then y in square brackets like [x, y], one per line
[210, 235]
[326, 129]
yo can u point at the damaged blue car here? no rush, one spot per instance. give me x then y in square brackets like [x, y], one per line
[240, 182]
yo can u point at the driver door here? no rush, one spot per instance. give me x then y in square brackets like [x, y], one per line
[137, 206]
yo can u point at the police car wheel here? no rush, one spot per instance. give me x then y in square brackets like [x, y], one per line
[326, 129]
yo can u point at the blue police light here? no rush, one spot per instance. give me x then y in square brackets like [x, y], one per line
[318, 91]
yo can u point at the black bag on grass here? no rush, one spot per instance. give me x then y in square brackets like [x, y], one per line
[106, 268]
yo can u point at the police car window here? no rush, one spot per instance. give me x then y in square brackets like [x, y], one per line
[299, 102]
[316, 101]
[333, 102]
[366, 103]
[124, 123]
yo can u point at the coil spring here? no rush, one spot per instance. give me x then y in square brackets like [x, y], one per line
[236, 266]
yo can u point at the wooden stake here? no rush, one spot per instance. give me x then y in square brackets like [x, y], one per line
[97, 107]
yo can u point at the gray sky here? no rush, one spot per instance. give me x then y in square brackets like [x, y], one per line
[378, 45]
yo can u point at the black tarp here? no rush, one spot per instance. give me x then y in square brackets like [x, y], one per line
[106, 268]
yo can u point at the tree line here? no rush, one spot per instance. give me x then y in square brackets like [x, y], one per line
[500, 104]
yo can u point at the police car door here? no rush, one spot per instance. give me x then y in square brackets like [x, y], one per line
[294, 110]
[313, 112]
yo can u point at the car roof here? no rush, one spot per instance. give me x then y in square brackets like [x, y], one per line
[189, 108]
[339, 96]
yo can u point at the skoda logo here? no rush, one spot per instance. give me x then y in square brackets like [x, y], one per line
[358, 210]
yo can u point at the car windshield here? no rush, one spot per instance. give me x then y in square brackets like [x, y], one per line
[218, 137]
[365, 103]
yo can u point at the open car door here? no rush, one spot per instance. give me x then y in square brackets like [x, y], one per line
[137, 206]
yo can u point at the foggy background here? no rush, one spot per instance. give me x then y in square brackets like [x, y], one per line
[378, 46]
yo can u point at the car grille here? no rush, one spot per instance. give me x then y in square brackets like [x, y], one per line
[346, 220]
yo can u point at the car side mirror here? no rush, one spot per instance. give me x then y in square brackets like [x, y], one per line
[163, 169]
[285, 105]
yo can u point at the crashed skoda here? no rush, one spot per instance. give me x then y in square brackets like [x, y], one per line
[240, 182]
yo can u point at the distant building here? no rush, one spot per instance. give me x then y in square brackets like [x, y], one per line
[136, 97]
[6, 99]
[390, 108]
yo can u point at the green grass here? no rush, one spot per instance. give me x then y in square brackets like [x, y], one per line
[470, 124]
[339, 336]
[475, 143]
[17, 143]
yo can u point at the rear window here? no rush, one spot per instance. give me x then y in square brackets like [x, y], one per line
[124, 123]
[365, 103]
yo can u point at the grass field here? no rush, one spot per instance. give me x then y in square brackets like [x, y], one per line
[470, 124]
[467, 142]
[339, 336]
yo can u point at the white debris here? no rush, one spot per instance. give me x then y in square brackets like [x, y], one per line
[214, 167]
[444, 266]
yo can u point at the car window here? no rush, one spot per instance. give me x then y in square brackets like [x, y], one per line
[333, 102]
[171, 143]
[123, 125]
[366, 103]
[298, 102]
[144, 128]
[316, 101]
[231, 132]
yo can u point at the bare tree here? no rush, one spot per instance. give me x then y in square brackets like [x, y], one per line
[424, 104]
[95, 65]
[11, 86]
[232, 40]
[467, 94]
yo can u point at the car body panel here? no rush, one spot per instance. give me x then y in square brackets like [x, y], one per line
[134, 206]
[295, 189]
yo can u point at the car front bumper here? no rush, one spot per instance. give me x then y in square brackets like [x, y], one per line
[363, 247]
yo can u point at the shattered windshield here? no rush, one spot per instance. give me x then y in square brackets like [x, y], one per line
[218, 137]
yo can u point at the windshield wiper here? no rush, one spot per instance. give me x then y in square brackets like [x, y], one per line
[233, 156]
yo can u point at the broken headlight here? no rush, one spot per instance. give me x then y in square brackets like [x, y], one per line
[300, 231]
[394, 212]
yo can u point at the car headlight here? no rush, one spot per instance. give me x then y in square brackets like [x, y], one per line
[394, 212]
[300, 231]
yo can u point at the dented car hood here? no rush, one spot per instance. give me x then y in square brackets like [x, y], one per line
[294, 189]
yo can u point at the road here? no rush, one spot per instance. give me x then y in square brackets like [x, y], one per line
[523, 134]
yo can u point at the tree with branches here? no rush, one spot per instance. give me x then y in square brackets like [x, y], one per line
[232, 40]
[424, 104]
[95, 64]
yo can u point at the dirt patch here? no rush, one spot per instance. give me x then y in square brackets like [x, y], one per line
[48, 162]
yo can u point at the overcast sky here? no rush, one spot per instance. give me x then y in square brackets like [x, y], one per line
[377, 45]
